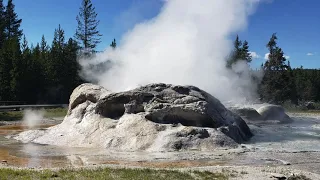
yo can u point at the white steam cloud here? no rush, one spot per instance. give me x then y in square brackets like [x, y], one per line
[31, 118]
[186, 44]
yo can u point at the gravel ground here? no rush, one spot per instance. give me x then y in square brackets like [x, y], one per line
[276, 150]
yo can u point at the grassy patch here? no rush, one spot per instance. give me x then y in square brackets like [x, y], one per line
[108, 173]
[301, 108]
[11, 116]
[57, 112]
[304, 111]
[209, 175]
[18, 115]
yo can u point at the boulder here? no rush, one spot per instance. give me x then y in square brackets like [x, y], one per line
[86, 92]
[155, 117]
[274, 112]
[247, 113]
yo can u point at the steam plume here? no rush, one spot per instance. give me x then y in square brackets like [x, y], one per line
[186, 44]
[31, 118]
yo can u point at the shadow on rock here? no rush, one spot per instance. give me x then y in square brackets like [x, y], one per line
[155, 117]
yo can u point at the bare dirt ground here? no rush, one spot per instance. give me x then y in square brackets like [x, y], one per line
[276, 150]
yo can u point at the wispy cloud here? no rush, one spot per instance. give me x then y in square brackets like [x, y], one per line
[254, 55]
[286, 56]
[310, 54]
[266, 56]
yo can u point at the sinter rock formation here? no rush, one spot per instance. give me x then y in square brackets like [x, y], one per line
[155, 117]
[267, 113]
[249, 114]
[274, 112]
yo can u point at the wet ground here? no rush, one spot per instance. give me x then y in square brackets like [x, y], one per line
[31, 155]
[293, 145]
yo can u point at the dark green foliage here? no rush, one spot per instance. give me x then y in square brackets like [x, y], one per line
[2, 24]
[277, 85]
[113, 44]
[240, 52]
[307, 84]
[87, 33]
[48, 74]
[62, 68]
[40, 74]
[244, 53]
[11, 66]
[28, 70]
[5, 78]
[10, 60]
[70, 69]
[12, 23]
[56, 56]
[44, 46]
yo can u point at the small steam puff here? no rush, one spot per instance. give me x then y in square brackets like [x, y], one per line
[31, 118]
[186, 44]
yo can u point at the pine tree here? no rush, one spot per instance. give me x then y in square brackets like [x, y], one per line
[2, 24]
[24, 45]
[240, 52]
[44, 53]
[44, 46]
[235, 54]
[5, 78]
[36, 76]
[13, 57]
[58, 39]
[44, 63]
[113, 44]
[12, 22]
[26, 80]
[71, 69]
[245, 54]
[56, 56]
[87, 33]
[277, 85]
[12, 65]
[55, 66]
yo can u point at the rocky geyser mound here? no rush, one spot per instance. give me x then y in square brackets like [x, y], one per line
[274, 112]
[265, 114]
[155, 117]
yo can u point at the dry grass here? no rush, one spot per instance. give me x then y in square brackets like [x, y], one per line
[17, 115]
[108, 173]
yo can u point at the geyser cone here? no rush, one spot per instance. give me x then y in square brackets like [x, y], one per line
[155, 117]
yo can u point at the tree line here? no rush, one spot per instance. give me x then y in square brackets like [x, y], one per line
[280, 82]
[44, 72]
[48, 72]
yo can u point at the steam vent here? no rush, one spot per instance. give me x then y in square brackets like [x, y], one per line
[155, 117]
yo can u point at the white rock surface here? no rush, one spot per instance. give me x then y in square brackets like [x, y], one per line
[156, 117]
[274, 112]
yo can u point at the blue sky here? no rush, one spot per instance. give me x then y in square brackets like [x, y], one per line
[43, 16]
[296, 22]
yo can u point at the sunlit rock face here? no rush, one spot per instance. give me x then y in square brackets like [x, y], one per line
[155, 117]
[274, 112]
[249, 114]
[264, 113]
